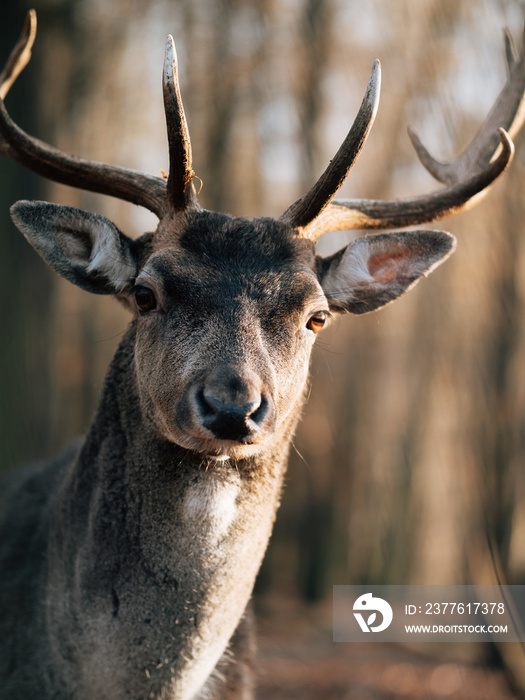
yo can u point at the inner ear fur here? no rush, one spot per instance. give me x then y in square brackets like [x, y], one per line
[85, 248]
[374, 270]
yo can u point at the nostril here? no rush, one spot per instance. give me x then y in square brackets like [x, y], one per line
[260, 412]
[206, 409]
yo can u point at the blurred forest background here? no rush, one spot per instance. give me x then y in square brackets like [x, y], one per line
[409, 459]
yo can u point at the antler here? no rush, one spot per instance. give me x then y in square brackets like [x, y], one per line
[310, 205]
[467, 178]
[20, 55]
[180, 190]
[124, 183]
[507, 113]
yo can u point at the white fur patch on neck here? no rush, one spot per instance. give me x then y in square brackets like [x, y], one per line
[210, 504]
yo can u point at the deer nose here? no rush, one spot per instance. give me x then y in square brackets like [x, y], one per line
[232, 410]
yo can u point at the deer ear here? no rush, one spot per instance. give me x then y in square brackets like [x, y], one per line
[374, 270]
[85, 248]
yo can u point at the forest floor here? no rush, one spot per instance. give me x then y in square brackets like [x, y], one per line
[297, 659]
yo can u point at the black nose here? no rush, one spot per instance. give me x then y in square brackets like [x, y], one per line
[228, 419]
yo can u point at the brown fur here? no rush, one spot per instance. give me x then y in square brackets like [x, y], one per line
[128, 563]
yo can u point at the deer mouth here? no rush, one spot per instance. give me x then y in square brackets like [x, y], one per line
[232, 419]
[228, 439]
[223, 450]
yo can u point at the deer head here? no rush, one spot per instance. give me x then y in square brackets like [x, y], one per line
[228, 308]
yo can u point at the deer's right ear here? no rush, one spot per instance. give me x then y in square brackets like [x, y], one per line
[85, 248]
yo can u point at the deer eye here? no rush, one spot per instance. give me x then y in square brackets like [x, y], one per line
[316, 322]
[145, 299]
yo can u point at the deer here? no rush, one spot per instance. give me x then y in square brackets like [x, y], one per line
[128, 562]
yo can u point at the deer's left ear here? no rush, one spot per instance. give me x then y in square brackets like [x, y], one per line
[374, 270]
[87, 249]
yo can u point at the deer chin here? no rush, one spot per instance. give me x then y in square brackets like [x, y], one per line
[213, 448]
[233, 452]
[224, 450]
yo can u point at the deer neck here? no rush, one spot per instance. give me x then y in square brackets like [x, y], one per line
[144, 526]
[168, 483]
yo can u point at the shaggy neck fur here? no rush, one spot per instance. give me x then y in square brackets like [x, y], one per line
[149, 575]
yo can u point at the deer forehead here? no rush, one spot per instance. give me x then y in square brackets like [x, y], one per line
[218, 259]
[181, 279]
[222, 235]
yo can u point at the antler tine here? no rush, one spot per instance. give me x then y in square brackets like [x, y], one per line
[130, 185]
[468, 178]
[20, 55]
[310, 205]
[508, 112]
[511, 55]
[369, 214]
[181, 193]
